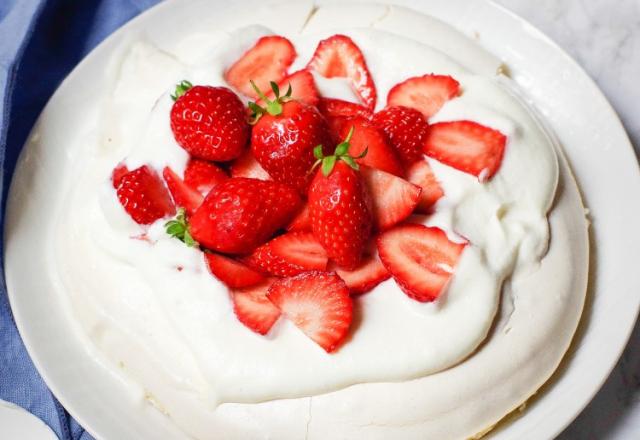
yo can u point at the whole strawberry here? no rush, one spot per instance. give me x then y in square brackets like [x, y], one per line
[284, 136]
[340, 207]
[406, 129]
[209, 122]
[240, 214]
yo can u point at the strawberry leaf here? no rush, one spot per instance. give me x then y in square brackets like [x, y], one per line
[181, 89]
[179, 228]
[327, 164]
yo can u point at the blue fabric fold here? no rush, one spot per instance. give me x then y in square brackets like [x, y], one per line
[40, 43]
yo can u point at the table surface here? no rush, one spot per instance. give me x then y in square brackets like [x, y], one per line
[604, 37]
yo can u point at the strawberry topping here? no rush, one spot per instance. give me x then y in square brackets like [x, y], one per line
[231, 272]
[427, 93]
[288, 255]
[268, 60]
[365, 277]
[467, 146]
[339, 57]
[421, 259]
[406, 130]
[183, 195]
[143, 196]
[393, 198]
[203, 176]
[420, 174]
[247, 166]
[253, 308]
[318, 303]
[303, 88]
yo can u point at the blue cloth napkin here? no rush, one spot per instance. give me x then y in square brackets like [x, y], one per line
[40, 43]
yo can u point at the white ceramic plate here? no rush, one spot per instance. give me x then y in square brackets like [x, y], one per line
[589, 130]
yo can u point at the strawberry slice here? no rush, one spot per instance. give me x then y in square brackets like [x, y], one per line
[234, 274]
[339, 57]
[267, 61]
[426, 94]
[183, 195]
[365, 277]
[288, 255]
[247, 166]
[318, 303]
[420, 174]
[118, 173]
[394, 199]
[143, 196]
[379, 155]
[336, 110]
[302, 222]
[467, 146]
[253, 308]
[203, 176]
[303, 88]
[421, 259]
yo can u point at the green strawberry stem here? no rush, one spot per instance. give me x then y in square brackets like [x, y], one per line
[181, 89]
[341, 153]
[179, 228]
[273, 107]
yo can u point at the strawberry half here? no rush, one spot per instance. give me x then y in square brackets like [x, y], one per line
[427, 93]
[183, 195]
[318, 303]
[288, 255]
[367, 136]
[203, 176]
[303, 88]
[421, 259]
[365, 277]
[253, 308]
[339, 57]
[406, 130]
[467, 146]
[302, 221]
[210, 123]
[268, 60]
[143, 196]
[394, 199]
[233, 273]
[420, 174]
[247, 166]
[241, 214]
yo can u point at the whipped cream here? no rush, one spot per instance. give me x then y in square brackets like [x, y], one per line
[153, 310]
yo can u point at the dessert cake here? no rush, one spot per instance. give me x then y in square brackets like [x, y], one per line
[344, 223]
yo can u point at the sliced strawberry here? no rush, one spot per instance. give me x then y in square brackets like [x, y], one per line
[267, 61]
[203, 176]
[143, 196]
[247, 166]
[421, 259]
[302, 222]
[406, 130]
[336, 110]
[467, 146]
[303, 88]
[118, 173]
[318, 303]
[394, 199]
[233, 273]
[253, 308]
[365, 277]
[420, 174]
[426, 93]
[183, 195]
[339, 57]
[289, 254]
[379, 155]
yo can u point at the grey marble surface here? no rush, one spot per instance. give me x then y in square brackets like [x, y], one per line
[604, 37]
